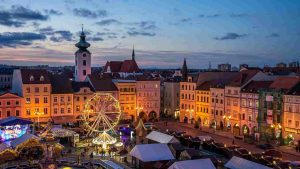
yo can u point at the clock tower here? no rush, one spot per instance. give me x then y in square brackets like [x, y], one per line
[82, 59]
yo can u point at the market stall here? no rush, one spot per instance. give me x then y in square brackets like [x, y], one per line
[6, 153]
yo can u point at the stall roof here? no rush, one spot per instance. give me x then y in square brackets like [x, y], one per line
[152, 152]
[161, 137]
[22, 139]
[10, 121]
[3, 147]
[192, 164]
[240, 163]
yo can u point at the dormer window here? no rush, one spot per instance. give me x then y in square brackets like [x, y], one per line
[42, 78]
[31, 78]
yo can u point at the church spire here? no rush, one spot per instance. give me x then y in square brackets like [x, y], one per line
[184, 71]
[82, 44]
[133, 54]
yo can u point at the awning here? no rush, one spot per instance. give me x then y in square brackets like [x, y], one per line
[152, 152]
[22, 139]
[64, 119]
[193, 164]
[161, 137]
[11, 121]
[240, 163]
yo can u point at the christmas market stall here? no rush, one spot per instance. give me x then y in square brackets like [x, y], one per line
[6, 153]
[13, 127]
[28, 146]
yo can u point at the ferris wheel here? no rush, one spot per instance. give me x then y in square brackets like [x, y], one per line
[101, 113]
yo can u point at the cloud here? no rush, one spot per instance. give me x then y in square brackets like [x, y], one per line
[137, 33]
[145, 25]
[61, 35]
[106, 22]
[238, 15]
[230, 36]
[86, 13]
[95, 39]
[46, 31]
[185, 20]
[18, 15]
[52, 12]
[209, 16]
[273, 35]
[14, 39]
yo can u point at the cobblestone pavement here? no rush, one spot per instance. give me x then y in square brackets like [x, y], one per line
[225, 137]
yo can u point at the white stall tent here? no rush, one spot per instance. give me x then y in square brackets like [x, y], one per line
[240, 163]
[152, 152]
[22, 139]
[193, 164]
[161, 137]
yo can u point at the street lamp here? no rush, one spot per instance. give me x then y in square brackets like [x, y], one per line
[190, 111]
[38, 115]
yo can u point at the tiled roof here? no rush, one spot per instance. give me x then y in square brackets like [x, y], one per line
[254, 86]
[219, 79]
[295, 90]
[128, 66]
[78, 85]
[146, 78]
[102, 84]
[243, 77]
[61, 84]
[206, 85]
[35, 76]
[285, 83]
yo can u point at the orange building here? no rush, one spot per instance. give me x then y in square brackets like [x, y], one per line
[10, 105]
[35, 88]
[187, 100]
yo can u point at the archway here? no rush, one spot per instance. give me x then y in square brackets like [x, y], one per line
[246, 130]
[221, 125]
[254, 130]
[236, 130]
[143, 116]
[152, 115]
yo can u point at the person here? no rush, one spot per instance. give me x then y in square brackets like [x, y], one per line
[233, 142]
[91, 155]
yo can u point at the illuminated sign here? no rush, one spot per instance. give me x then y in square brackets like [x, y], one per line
[11, 132]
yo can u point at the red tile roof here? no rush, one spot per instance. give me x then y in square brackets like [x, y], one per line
[220, 79]
[285, 83]
[254, 86]
[102, 84]
[128, 66]
[61, 84]
[35, 76]
[243, 77]
[295, 90]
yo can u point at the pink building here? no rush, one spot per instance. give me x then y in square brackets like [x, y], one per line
[148, 97]
[10, 105]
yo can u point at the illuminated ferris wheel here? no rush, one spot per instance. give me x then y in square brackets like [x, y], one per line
[101, 113]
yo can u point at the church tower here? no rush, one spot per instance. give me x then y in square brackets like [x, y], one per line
[184, 71]
[133, 54]
[82, 59]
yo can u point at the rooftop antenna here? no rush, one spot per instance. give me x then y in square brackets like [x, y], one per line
[81, 27]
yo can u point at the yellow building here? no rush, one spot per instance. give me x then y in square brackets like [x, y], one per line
[187, 100]
[61, 99]
[127, 98]
[203, 107]
[35, 87]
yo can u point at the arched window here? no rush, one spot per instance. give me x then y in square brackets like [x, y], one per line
[42, 78]
[31, 78]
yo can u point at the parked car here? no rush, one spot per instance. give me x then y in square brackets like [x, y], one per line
[265, 146]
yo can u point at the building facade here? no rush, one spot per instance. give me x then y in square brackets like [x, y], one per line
[187, 100]
[171, 98]
[10, 105]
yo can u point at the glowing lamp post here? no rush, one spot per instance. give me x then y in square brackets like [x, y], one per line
[138, 109]
[190, 112]
[38, 114]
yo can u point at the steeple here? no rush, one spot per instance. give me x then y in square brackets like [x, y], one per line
[184, 71]
[133, 54]
[82, 44]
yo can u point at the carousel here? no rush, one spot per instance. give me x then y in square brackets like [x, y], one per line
[100, 116]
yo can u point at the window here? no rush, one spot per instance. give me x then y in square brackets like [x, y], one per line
[31, 78]
[42, 78]
[28, 112]
[69, 110]
[289, 122]
[62, 99]
[8, 113]
[84, 62]
[45, 89]
[17, 113]
[84, 98]
[28, 100]
[62, 110]
[78, 98]
[69, 98]
[84, 72]
[55, 99]
[28, 90]
[8, 103]
[84, 55]
[297, 124]
[55, 110]
[45, 111]
[36, 90]
[37, 110]
[77, 108]
[45, 99]
[36, 100]
[17, 102]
